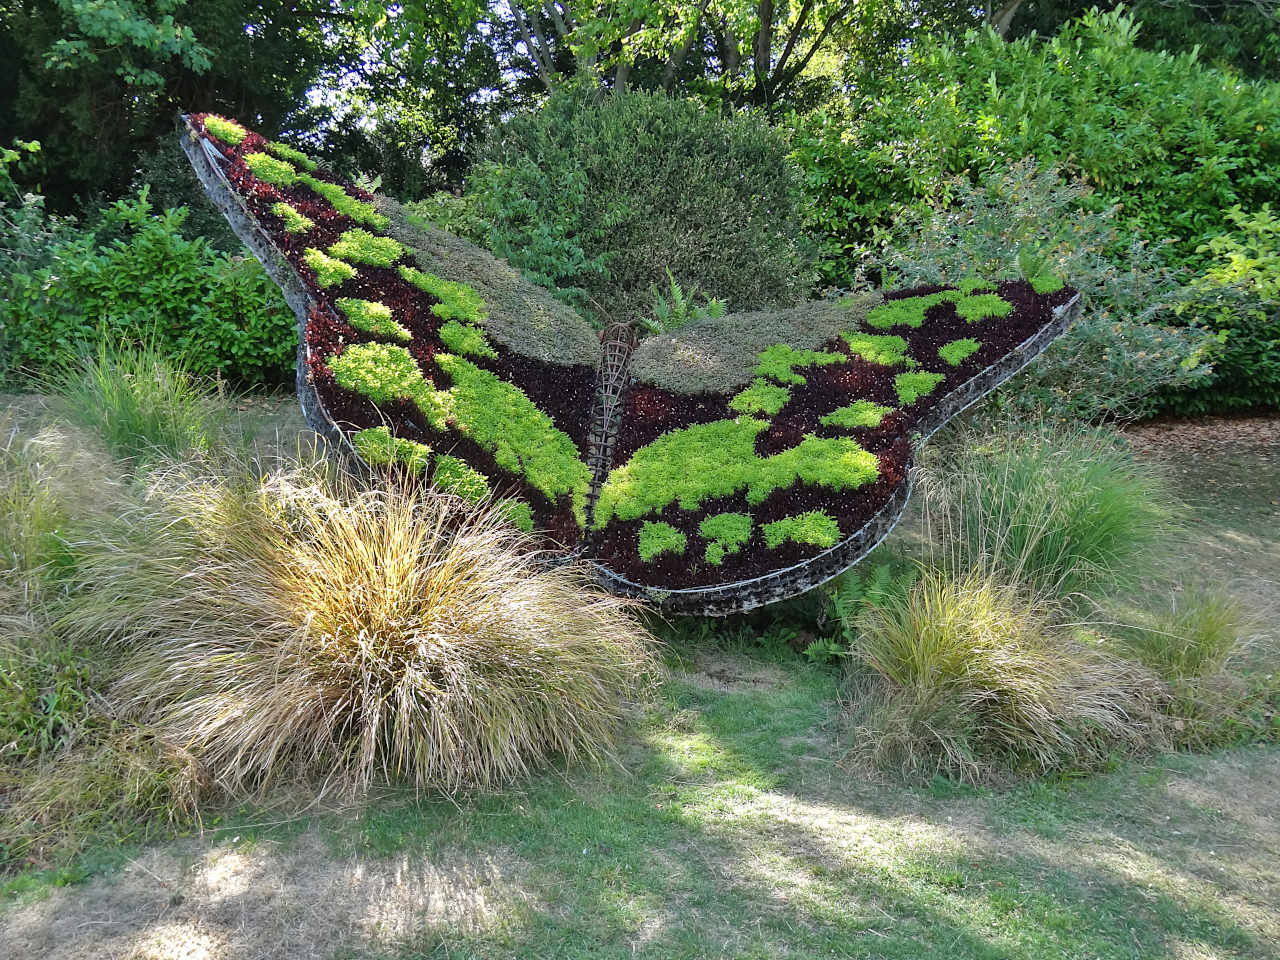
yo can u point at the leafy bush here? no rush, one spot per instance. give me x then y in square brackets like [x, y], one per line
[134, 276]
[1059, 510]
[602, 196]
[1122, 354]
[291, 626]
[965, 678]
[1239, 297]
[1174, 142]
[144, 405]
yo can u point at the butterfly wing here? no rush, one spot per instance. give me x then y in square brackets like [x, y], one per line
[418, 351]
[760, 454]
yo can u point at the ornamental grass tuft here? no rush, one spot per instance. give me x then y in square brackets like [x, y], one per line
[965, 677]
[293, 626]
[1059, 510]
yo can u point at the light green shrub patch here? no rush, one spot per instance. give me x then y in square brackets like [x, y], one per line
[727, 533]
[974, 284]
[363, 247]
[329, 272]
[957, 351]
[1047, 283]
[520, 514]
[814, 527]
[910, 311]
[454, 476]
[384, 372]
[761, 397]
[912, 386]
[779, 362]
[372, 317]
[860, 413]
[466, 339]
[296, 157]
[457, 300]
[344, 203]
[718, 460]
[294, 222]
[271, 170]
[658, 538]
[228, 131]
[380, 448]
[981, 306]
[521, 437]
[885, 349]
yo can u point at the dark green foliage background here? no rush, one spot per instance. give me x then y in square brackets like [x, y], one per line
[1175, 142]
[600, 196]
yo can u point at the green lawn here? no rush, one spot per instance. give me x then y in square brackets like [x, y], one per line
[728, 828]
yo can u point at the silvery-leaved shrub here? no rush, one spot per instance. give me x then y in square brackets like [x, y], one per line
[1123, 352]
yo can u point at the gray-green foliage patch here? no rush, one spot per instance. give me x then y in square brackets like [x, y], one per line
[719, 355]
[522, 315]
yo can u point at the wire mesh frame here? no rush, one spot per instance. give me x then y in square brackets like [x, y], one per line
[742, 595]
[208, 164]
[617, 345]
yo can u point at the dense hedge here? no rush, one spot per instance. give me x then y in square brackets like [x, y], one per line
[600, 195]
[134, 275]
[1175, 142]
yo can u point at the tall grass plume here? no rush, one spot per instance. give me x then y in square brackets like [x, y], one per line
[294, 626]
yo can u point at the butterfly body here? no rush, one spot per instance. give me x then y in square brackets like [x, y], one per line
[733, 463]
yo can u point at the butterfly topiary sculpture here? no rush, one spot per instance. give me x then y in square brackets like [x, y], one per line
[741, 460]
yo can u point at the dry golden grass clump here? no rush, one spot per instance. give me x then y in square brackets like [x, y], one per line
[293, 626]
[963, 677]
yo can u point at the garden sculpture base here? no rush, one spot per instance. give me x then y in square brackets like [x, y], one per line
[739, 461]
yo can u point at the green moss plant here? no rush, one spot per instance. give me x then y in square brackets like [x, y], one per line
[380, 448]
[910, 311]
[294, 222]
[522, 438]
[975, 284]
[271, 170]
[457, 300]
[296, 157]
[719, 459]
[981, 306]
[814, 527]
[779, 362]
[912, 386]
[465, 339]
[519, 513]
[727, 533]
[760, 397]
[860, 413]
[455, 477]
[372, 317]
[658, 538]
[329, 272]
[1047, 283]
[958, 351]
[347, 205]
[228, 131]
[361, 246]
[383, 372]
[884, 349]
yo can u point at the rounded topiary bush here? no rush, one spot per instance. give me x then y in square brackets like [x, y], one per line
[294, 626]
[600, 194]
